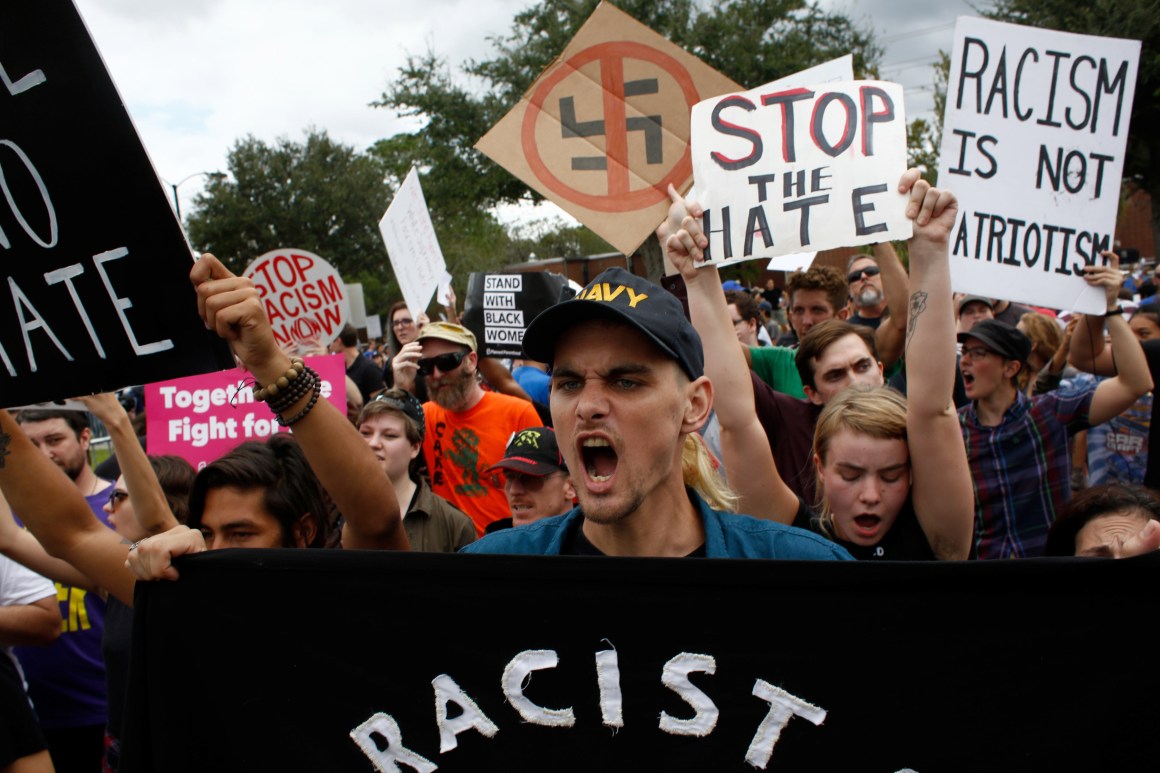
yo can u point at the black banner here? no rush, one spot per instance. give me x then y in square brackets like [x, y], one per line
[499, 308]
[94, 269]
[319, 660]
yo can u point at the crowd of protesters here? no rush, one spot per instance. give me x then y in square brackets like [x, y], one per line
[891, 420]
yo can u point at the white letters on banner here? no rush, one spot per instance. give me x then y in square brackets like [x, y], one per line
[1034, 134]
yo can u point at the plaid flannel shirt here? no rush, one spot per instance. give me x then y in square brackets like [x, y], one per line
[1021, 470]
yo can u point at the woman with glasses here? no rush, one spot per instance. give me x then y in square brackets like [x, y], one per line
[405, 329]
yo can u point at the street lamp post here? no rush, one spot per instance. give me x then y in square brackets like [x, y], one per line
[183, 181]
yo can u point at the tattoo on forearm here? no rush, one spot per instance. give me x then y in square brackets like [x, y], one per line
[917, 307]
[4, 440]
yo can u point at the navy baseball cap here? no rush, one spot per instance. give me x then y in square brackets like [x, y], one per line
[620, 295]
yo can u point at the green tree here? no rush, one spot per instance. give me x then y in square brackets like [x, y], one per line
[923, 137]
[1134, 19]
[318, 195]
[751, 41]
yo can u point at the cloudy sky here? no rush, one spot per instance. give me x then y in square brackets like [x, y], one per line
[196, 75]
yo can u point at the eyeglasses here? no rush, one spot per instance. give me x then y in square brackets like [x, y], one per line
[868, 272]
[445, 362]
[737, 322]
[405, 322]
[117, 497]
[977, 353]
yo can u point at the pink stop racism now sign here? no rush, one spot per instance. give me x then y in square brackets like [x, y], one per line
[200, 418]
[304, 296]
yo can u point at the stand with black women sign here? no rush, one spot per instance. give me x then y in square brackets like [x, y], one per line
[499, 308]
[94, 269]
[303, 660]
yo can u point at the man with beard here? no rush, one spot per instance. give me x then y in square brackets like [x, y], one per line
[467, 428]
[67, 679]
[866, 294]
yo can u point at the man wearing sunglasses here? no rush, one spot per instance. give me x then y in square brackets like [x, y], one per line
[467, 427]
[864, 278]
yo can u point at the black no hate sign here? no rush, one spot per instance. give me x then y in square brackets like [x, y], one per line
[289, 660]
[94, 269]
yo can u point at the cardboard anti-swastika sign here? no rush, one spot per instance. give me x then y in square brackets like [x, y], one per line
[605, 129]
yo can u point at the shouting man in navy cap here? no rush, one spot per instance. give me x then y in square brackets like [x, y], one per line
[628, 387]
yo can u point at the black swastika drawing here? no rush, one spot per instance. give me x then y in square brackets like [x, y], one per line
[650, 125]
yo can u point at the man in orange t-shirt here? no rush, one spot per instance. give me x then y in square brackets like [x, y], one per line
[467, 428]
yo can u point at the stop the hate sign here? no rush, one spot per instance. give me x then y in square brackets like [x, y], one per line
[304, 296]
[605, 129]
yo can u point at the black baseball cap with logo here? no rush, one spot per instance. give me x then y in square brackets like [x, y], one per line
[620, 295]
[532, 451]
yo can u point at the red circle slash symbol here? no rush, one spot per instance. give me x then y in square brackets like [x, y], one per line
[610, 56]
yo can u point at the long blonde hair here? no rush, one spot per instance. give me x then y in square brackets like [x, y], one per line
[879, 412]
[699, 470]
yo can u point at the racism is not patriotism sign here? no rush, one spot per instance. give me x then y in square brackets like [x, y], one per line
[786, 169]
[1034, 134]
[617, 664]
[94, 268]
[605, 129]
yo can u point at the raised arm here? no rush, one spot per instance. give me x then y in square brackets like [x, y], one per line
[149, 504]
[890, 336]
[341, 459]
[501, 379]
[1116, 395]
[941, 491]
[749, 464]
[57, 515]
[19, 545]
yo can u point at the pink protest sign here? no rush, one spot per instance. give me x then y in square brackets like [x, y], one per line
[304, 296]
[199, 418]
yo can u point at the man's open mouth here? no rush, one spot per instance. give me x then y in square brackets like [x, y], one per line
[599, 458]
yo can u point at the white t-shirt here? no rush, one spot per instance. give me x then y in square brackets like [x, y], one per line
[19, 585]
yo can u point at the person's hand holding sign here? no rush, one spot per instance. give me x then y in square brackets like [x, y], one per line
[1107, 276]
[230, 306]
[681, 236]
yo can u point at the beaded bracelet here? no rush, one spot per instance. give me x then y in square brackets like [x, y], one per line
[284, 381]
[309, 406]
[298, 389]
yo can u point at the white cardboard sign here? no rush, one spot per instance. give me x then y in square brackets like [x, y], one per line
[1034, 133]
[782, 170]
[412, 246]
